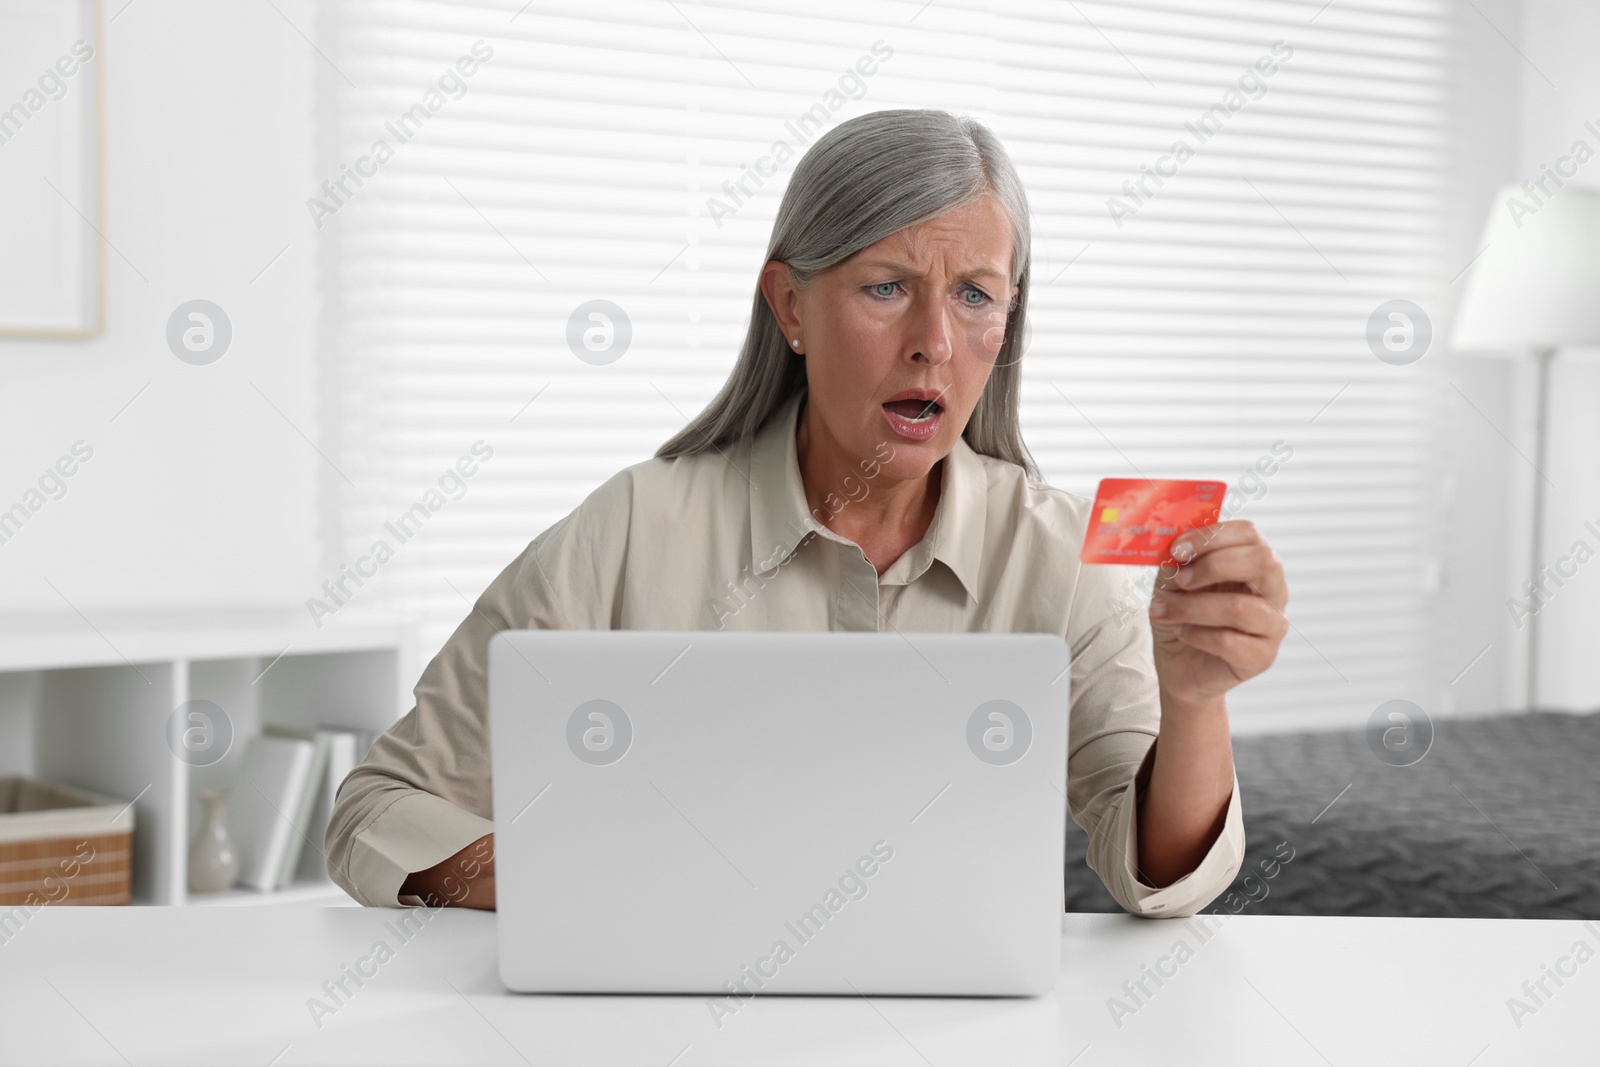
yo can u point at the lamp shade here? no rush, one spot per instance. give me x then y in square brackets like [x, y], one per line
[1537, 284]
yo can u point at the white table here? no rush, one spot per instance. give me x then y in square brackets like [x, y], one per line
[230, 986]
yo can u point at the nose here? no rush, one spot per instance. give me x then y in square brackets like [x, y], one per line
[932, 336]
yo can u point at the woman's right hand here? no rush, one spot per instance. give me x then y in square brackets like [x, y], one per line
[465, 880]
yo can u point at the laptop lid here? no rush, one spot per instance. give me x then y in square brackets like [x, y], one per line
[733, 813]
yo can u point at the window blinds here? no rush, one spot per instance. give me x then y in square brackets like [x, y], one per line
[1199, 313]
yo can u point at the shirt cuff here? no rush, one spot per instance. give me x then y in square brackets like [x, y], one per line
[412, 834]
[1214, 873]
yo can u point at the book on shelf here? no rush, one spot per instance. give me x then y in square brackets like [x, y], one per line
[336, 751]
[272, 783]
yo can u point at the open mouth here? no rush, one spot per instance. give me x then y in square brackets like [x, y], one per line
[914, 410]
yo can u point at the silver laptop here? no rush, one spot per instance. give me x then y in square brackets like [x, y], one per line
[741, 813]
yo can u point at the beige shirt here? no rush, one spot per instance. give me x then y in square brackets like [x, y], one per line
[725, 540]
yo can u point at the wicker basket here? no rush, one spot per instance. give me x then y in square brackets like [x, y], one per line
[63, 845]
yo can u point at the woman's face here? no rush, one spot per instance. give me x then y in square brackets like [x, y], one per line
[923, 310]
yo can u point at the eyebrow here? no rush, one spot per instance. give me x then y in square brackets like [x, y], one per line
[905, 269]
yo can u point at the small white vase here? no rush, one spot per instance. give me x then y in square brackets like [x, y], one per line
[213, 860]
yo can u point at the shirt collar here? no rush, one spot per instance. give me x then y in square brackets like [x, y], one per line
[780, 518]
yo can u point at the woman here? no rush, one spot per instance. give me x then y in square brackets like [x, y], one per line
[862, 469]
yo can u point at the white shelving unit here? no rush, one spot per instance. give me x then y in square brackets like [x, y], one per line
[86, 702]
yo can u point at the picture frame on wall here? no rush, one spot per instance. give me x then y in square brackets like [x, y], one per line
[52, 248]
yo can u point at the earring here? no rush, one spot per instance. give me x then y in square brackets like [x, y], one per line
[796, 342]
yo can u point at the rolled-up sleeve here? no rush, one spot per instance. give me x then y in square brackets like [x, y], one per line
[424, 791]
[1114, 721]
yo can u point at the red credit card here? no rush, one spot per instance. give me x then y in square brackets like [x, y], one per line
[1135, 520]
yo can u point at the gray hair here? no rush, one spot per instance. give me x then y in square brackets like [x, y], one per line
[862, 181]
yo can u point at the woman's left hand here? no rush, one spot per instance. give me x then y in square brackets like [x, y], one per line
[1218, 617]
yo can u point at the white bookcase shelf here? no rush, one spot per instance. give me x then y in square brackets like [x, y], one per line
[309, 891]
[86, 702]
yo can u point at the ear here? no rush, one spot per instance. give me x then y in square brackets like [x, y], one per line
[782, 296]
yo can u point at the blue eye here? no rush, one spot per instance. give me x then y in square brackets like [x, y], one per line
[983, 298]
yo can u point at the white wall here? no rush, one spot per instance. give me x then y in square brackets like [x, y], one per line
[1480, 537]
[199, 492]
[1512, 120]
[1561, 38]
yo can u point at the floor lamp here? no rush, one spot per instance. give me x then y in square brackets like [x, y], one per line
[1535, 288]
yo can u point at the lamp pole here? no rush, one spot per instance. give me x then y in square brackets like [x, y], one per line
[1542, 357]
